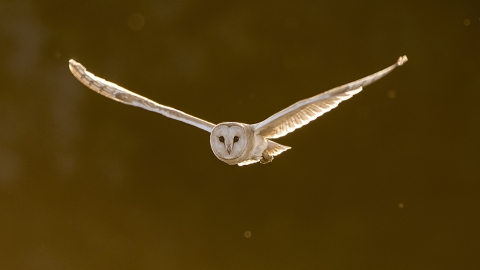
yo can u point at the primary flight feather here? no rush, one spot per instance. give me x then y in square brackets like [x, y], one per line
[233, 142]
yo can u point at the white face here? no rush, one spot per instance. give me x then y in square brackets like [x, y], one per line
[228, 141]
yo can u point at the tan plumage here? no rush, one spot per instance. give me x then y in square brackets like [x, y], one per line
[237, 143]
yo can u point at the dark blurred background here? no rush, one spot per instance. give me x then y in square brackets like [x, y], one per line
[388, 180]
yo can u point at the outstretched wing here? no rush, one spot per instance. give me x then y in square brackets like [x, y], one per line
[304, 111]
[121, 94]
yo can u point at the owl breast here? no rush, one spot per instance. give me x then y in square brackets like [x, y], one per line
[232, 142]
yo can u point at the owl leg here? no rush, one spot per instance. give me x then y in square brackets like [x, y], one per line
[266, 158]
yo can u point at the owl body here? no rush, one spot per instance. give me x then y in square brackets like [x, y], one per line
[238, 143]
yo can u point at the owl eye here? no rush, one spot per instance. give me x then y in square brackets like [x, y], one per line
[221, 139]
[235, 139]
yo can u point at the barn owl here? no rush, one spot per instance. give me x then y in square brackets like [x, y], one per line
[233, 142]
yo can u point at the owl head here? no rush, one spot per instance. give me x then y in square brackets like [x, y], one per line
[229, 142]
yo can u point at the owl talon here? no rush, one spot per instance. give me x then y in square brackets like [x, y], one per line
[266, 158]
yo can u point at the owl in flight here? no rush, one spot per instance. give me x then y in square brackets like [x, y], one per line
[233, 142]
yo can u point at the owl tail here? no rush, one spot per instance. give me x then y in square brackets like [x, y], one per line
[275, 149]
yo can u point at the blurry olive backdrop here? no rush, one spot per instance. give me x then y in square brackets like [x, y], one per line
[388, 180]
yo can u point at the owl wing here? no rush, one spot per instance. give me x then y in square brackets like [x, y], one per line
[121, 94]
[304, 111]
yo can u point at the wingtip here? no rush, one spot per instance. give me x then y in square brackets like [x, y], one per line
[72, 64]
[402, 60]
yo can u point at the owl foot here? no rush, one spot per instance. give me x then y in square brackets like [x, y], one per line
[266, 158]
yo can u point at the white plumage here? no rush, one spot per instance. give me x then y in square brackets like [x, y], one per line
[233, 142]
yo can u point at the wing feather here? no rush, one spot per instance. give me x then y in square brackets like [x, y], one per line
[307, 110]
[122, 95]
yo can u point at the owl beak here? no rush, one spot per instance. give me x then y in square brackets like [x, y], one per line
[229, 148]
